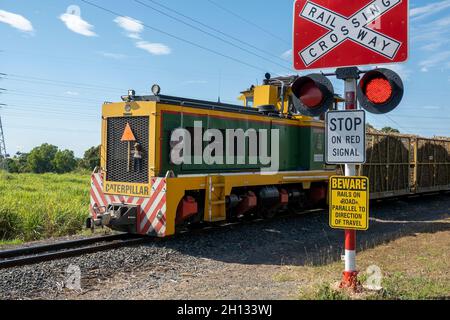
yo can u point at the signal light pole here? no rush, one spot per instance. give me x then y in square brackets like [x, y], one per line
[350, 276]
[379, 91]
[3, 153]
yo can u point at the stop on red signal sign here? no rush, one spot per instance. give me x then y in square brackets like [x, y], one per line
[341, 33]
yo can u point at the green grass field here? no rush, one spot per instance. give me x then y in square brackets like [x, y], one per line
[34, 207]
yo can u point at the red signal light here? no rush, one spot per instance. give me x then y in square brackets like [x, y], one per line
[312, 95]
[380, 91]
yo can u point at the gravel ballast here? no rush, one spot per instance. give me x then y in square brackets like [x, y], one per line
[156, 268]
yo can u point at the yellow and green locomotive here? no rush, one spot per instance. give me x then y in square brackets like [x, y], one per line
[273, 160]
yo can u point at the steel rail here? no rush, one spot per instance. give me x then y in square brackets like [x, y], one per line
[66, 249]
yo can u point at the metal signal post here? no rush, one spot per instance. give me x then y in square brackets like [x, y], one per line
[350, 277]
[3, 153]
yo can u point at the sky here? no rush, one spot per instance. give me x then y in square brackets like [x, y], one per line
[62, 59]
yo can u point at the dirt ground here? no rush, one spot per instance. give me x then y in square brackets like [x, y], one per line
[409, 241]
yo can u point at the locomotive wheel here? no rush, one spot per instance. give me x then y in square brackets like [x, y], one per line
[266, 213]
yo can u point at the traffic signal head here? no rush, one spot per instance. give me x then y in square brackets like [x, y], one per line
[312, 95]
[380, 91]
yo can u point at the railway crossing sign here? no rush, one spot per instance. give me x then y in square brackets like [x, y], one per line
[349, 203]
[341, 33]
[345, 137]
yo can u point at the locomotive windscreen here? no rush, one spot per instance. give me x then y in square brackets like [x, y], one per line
[119, 163]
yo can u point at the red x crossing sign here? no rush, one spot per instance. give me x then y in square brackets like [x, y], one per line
[341, 33]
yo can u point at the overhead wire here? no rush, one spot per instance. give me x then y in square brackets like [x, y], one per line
[248, 22]
[211, 34]
[192, 43]
[216, 30]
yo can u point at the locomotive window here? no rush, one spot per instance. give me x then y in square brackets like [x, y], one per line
[249, 102]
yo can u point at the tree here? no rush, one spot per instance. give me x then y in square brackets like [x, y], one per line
[10, 165]
[21, 160]
[40, 159]
[389, 130]
[64, 161]
[91, 159]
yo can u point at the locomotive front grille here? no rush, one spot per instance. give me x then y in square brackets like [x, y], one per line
[117, 151]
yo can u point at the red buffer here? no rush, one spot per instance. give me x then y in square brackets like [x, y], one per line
[249, 202]
[186, 209]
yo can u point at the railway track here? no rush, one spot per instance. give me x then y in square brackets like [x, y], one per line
[66, 249]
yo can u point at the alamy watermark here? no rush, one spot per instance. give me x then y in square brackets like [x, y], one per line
[72, 280]
[226, 147]
[374, 278]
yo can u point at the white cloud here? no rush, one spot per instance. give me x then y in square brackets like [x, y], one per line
[436, 60]
[157, 49]
[16, 21]
[432, 36]
[72, 93]
[443, 22]
[117, 56]
[75, 23]
[189, 82]
[429, 9]
[432, 46]
[431, 107]
[134, 29]
[401, 69]
[287, 55]
[132, 26]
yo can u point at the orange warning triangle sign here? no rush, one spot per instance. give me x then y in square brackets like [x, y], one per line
[128, 134]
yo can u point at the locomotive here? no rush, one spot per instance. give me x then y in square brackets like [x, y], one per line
[162, 194]
[169, 162]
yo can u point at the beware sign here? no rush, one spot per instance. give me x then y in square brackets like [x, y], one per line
[343, 33]
[349, 203]
[128, 134]
[345, 137]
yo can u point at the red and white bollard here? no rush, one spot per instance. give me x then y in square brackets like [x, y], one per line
[350, 277]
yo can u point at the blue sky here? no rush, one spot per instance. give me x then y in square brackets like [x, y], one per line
[62, 64]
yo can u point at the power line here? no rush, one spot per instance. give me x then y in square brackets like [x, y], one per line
[53, 116]
[179, 38]
[44, 112]
[211, 35]
[59, 84]
[53, 129]
[249, 22]
[132, 67]
[67, 104]
[3, 153]
[213, 29]
[419, 117]
[49, 96]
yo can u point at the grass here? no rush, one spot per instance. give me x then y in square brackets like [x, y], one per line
[34, 207]
[413, 268]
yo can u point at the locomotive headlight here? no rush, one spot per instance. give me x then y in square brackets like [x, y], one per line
[127, 108]
[156, 89]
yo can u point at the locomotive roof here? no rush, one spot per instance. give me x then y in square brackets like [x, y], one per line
[201, 104]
